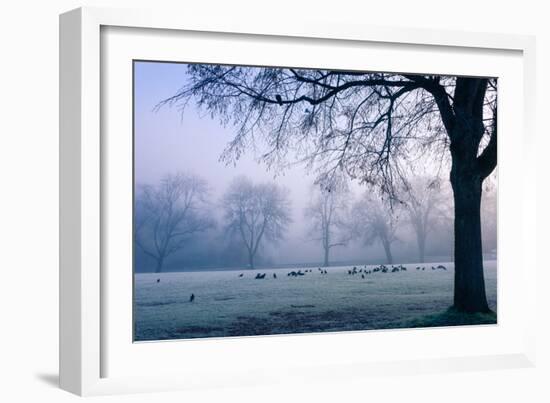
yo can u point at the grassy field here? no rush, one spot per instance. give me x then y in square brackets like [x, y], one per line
[228, 305]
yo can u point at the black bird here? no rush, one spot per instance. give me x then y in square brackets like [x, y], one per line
[158, 280]
[242, 274]
[274, 275]
[362, 276]
[279, 99]
[192, 298]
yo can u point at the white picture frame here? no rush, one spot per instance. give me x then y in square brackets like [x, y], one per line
[86, 345]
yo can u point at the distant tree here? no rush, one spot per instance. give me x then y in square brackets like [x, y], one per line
[256, 212]
[422, 201]
[169, 215]
[365, 124]
[373, 221]
[328, 212]
[489, 214]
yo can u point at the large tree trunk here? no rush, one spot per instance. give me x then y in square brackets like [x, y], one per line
[326, 261]
[469, 285]
[464, 124]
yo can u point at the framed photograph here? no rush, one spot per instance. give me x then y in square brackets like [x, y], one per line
[246, 202]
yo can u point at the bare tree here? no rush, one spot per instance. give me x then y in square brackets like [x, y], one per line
[373, 221]
[169, 214]
[256, 212]
[328, 213]
[423, 203]
[489, 214]
[365, 124]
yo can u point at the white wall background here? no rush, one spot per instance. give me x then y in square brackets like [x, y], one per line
[29, 209]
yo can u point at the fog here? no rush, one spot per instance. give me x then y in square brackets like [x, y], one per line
[167, 141]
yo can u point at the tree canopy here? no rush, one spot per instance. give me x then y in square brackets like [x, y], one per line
[359, 123]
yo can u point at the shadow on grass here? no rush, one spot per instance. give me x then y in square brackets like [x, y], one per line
[451, 317]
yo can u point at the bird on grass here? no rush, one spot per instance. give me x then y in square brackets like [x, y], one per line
[274, 275]
[242, 274]
[192, 298]
[158, 280]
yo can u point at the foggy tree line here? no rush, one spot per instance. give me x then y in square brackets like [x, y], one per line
[178, 212]
[423, 205]
[170, 216]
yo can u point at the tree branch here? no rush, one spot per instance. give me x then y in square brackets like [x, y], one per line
[487, 161]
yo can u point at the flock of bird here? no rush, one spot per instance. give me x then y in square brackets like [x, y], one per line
[378, 269]
[300, 273]
[439, 267]
[351, 272]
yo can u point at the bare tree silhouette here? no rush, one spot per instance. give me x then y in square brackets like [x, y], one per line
[256, 212]
[328, 214]
[169, 214]
[373, 221]
[423, 203]
[489, 213]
